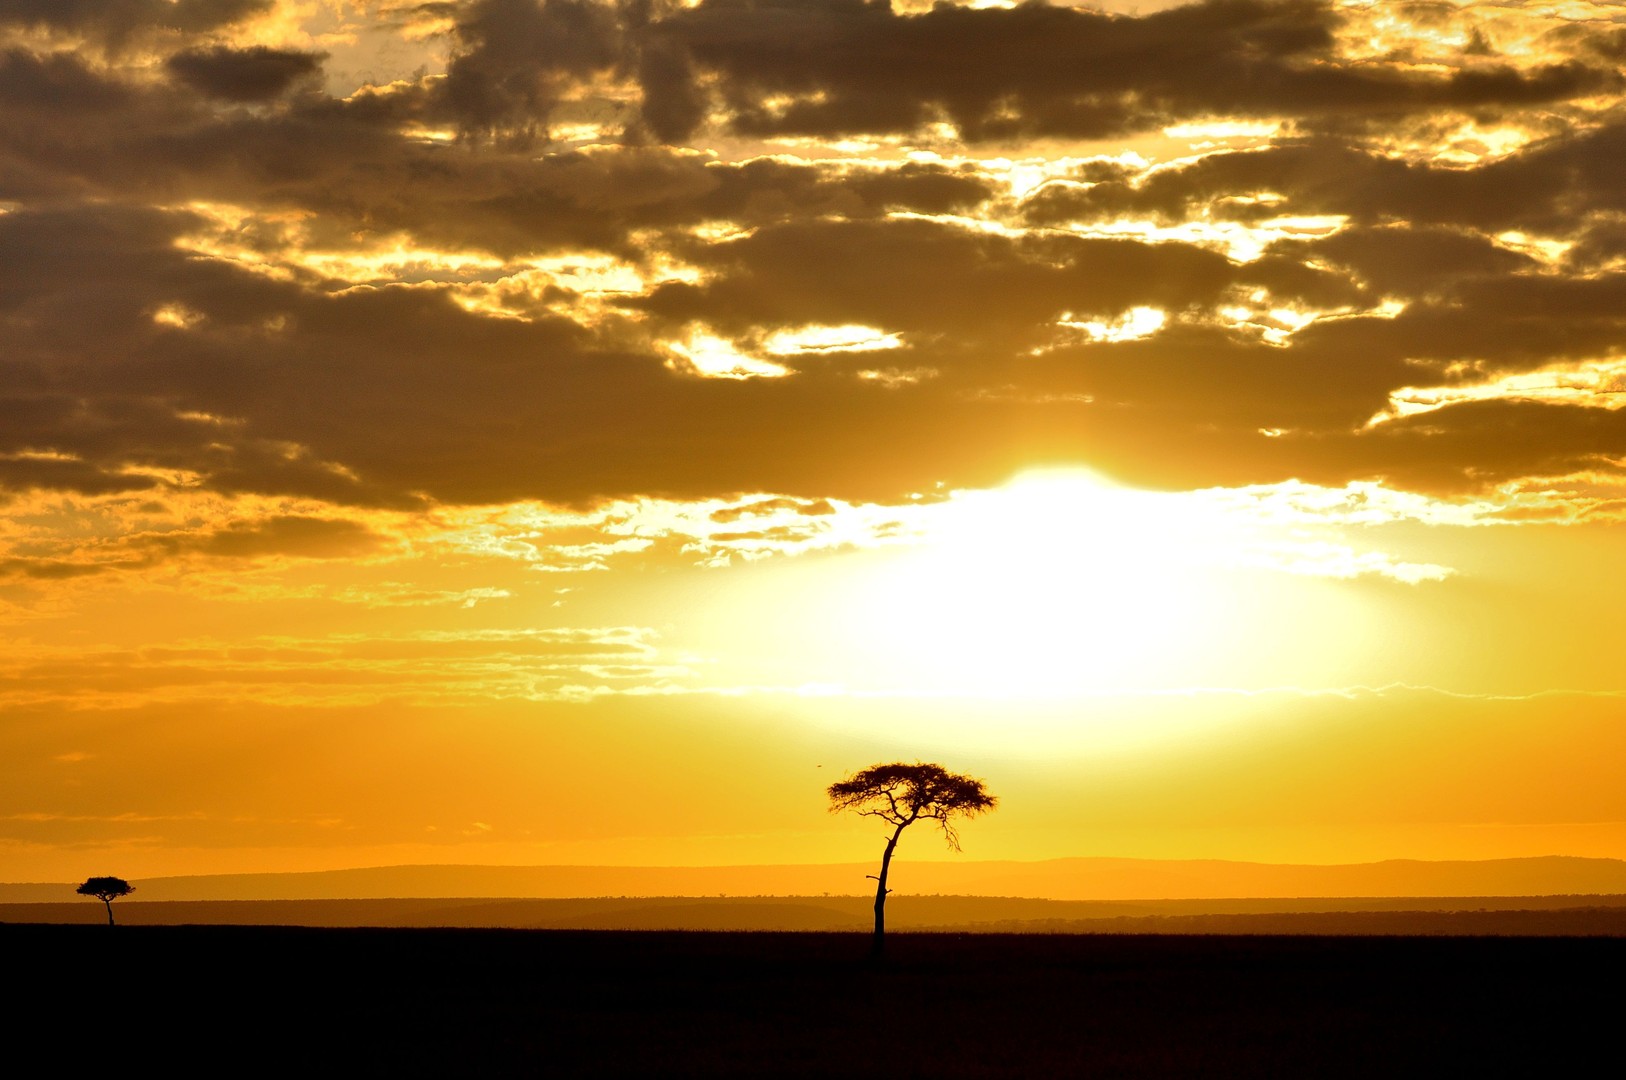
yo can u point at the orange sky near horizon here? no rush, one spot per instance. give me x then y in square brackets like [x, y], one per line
[552, 431]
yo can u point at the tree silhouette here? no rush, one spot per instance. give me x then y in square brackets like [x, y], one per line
[900, 795]
[107, 890]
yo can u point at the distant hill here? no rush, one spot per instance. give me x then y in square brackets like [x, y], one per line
[1055, 879]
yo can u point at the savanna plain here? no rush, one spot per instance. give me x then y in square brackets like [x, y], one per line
[480, 1002]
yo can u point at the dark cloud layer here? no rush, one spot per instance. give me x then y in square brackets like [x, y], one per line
[519, 58]
[252, 74]
[159, 318]
[465, 408]
[832, 68]
[850, 66]
[115, 23]
[960, 283]
[344, 162]
[1555, 185]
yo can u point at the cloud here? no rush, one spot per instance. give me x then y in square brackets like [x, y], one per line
[46, 569]
[204, 275]
[835, 68]
[519, 59]
[305, 537]
[964, 285]
[842, 67]
[252, 74]
[555, 408]
[115, 23]
[1484, 443]
[277, 537]
[427, 667]
[1553, 183]
[769, 507]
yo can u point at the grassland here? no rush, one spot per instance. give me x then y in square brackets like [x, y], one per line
[462, 1002]
[1575, 916]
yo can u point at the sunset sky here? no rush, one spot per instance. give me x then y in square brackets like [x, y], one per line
[556, 431]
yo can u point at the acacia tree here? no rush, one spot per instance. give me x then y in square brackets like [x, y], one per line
[900, 795]
[107, 890]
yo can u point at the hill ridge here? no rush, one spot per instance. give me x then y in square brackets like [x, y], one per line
[1071, 878]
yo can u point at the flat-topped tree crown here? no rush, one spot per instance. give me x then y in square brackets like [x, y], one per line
[901, 794]
[107, 890]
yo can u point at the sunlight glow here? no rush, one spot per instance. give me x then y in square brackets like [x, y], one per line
[1062, 586]
[1598, 384]
[179, 316]
[1243, 243]
[1137, 322]
[713, 357]
[1275, 325]
[1543, 249]
[1057, 583]
[1224, 129]
[826, 339]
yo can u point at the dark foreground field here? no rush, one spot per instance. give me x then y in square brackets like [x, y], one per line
[238, 1000]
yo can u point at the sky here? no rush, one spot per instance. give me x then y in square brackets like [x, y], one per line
[556, 431]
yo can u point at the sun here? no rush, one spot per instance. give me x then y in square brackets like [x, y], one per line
[1057, 583]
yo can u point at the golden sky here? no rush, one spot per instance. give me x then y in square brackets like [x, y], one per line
[555, 431]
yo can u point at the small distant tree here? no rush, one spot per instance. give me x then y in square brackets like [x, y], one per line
[107, 890]
[900, 795]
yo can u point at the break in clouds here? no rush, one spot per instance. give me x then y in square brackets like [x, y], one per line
[398, 256]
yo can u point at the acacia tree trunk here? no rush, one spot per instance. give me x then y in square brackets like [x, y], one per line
[878, 943]
[109, 904]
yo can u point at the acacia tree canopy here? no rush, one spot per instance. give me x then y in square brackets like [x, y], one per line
[901, 794]
[107, 890]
